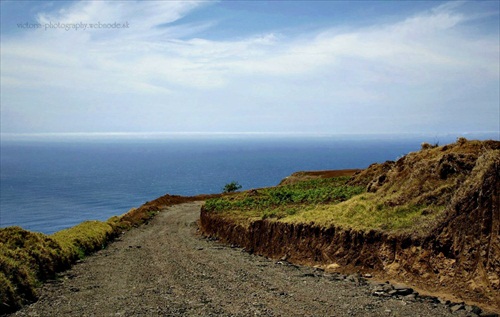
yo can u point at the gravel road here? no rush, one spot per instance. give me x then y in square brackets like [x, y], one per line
[165, 268]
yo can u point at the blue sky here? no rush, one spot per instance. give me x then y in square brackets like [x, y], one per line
[243, 66]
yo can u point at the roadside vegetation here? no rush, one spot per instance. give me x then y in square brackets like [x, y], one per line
[323, 202]
[27, 259]
[283, 201]
[369, 212]
[407, 196]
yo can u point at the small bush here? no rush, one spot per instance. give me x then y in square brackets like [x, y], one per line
[231, 187]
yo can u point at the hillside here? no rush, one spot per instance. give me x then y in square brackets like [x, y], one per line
[430, 219]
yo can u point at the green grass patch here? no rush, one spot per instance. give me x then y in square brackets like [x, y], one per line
[283, 201]
[367, 211]
[29, 258]
[326, 202]
[25, 258]
[83, 239]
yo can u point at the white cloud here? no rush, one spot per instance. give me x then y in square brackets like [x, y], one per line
[387, 67]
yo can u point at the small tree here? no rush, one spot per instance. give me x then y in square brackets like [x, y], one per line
[231, 187]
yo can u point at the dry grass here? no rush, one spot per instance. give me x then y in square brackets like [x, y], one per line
[366, 212]
[27, 259]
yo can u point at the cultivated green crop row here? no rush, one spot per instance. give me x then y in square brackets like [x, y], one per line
[318, 191]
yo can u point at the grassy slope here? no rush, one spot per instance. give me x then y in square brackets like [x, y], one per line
[285, 201]
[410, 195]
[323, 202]
[27, 259]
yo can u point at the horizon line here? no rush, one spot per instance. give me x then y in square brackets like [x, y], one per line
[123, 134]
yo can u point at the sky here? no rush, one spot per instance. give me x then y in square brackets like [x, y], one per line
[335, 67]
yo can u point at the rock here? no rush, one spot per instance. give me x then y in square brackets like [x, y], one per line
[367, 275]
[380, 294]
[473, 309]
[456, 307]
[411, 297]
[332, 267]
[357, 279]
[430, 299]
[404, 291]
[393, 292]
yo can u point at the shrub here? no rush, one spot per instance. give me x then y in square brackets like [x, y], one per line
[231, 187]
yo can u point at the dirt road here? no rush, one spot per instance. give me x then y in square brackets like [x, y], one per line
[166, 269]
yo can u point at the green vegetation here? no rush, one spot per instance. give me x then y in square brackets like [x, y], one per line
[282, 201]
[367, 211]
[327, 202]
[231, 187]
[29, 258]
[410, 195]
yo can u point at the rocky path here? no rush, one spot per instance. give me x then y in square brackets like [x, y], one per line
[166, 269]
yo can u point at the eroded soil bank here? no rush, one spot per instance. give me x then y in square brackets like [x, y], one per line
[165, 268]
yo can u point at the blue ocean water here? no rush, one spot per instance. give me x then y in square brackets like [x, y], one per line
[50, 184]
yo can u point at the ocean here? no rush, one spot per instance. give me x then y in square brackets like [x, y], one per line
[49, 183]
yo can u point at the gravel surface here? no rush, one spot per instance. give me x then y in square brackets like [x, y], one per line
[166, 269]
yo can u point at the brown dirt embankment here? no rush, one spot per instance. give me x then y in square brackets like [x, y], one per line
[458, 255]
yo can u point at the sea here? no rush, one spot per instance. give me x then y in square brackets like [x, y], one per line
[50, 182]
